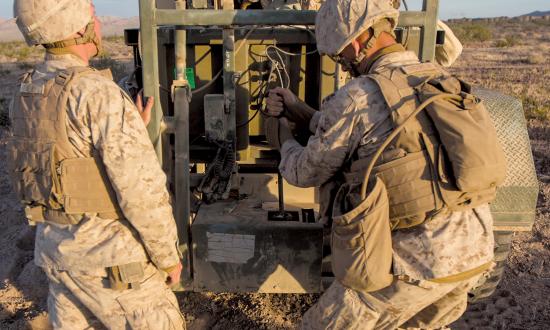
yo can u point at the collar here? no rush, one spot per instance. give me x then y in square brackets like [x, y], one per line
[54, 62]
[380, 53]
[393, 59]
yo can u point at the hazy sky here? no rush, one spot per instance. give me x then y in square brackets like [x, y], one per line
[448, 8]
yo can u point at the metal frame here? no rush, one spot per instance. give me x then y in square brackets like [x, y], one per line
[152, 18]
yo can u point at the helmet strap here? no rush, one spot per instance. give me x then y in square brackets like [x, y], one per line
[354, 66]
[382, 25]
[89, 36]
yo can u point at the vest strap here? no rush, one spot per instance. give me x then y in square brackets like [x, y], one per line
[41, 214]
[464, 275]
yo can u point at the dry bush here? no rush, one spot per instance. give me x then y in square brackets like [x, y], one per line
[20, 51]
[508, 41]
[535, 59]
[472, 32]
[535, 109]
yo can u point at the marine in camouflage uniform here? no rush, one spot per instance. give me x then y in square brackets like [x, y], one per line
[354, 122]
[100, 120]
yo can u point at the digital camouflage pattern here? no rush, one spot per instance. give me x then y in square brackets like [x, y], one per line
[103, 120]
[356, 120]
[47, 21]
[81, 300]
[338, 22]
[405, 304]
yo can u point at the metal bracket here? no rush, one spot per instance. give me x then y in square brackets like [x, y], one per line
[180, 83]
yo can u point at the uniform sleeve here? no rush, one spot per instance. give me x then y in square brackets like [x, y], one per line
[120, 137]
[314, 122]
[327, 150]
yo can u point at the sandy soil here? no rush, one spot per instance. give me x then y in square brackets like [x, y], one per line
[521, 301]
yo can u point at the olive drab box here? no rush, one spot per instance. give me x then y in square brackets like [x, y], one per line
[446, 156]
[53, 182]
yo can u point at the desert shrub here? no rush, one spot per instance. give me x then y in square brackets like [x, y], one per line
[19, 50]
[534, 109]
[541, 22]
[535, 59]
[472, 32]
[508, 41]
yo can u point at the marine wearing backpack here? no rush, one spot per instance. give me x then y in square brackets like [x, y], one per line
[410, 241]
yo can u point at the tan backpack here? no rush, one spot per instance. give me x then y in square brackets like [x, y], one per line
[443, 152]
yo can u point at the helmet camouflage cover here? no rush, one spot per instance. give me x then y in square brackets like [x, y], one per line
[47, 21]
[339, 22]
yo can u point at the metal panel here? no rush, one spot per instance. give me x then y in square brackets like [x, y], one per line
[516, 201]
[236, 249]
[215, 125]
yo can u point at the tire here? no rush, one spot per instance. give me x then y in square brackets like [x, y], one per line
[487, 285]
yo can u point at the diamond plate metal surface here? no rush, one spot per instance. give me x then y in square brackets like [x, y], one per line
[516, 199]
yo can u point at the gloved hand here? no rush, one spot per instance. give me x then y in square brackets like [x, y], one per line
[145, 112]
[282, 102]
[277, 132]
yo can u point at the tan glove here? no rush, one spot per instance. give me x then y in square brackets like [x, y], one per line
[277, 132]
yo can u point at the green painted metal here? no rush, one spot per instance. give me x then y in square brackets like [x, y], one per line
[229, 80]
[183, 19]
[149, 52]
[182, 96]
[200, 17]
[429, 30]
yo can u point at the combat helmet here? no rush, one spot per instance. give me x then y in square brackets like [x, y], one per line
[339, 22]
[51, 22]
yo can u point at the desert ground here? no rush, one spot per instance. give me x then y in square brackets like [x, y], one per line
[509, 56]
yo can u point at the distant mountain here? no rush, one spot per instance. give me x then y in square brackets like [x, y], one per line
[110, 26]
[9, 30]
[538, 13]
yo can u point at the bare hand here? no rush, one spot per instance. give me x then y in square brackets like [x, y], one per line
[174, 275]
[145, 113]
[277, 99]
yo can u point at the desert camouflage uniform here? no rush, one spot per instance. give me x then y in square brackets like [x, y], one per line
[101, 118]
[356, 120]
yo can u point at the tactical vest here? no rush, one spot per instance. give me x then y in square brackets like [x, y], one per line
[53, 182]
[445, 158]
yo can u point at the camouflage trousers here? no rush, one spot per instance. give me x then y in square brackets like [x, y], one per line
[85, 301]
[404, 304]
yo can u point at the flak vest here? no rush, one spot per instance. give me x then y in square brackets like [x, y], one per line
[54, 184]
[445, 158]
